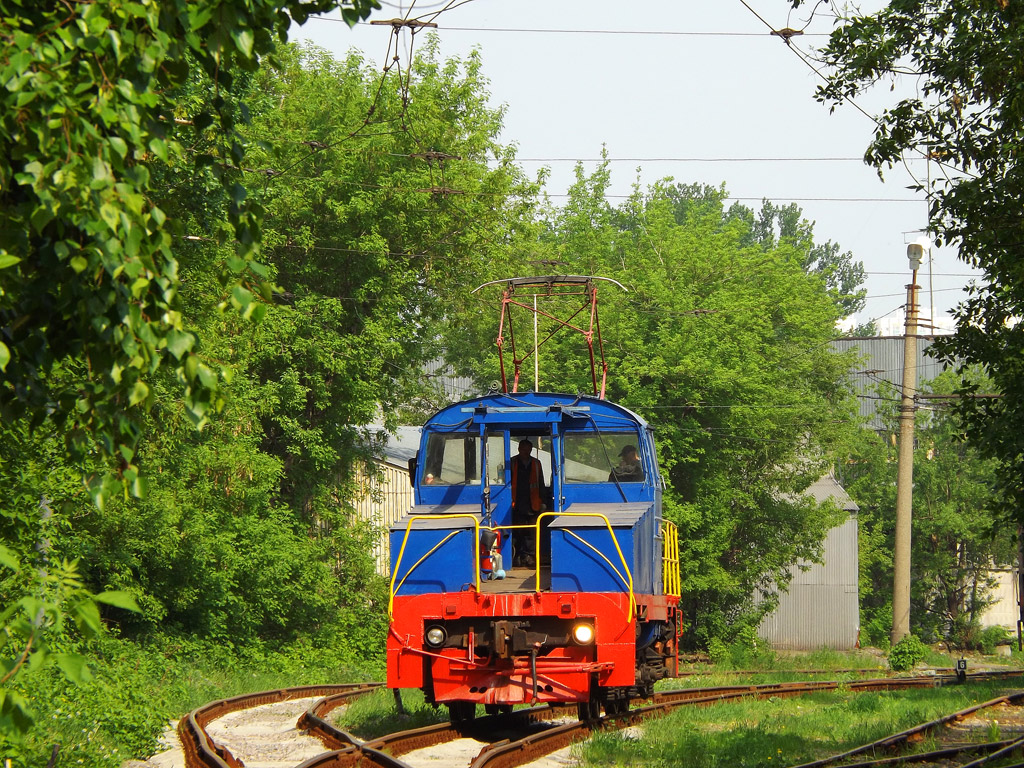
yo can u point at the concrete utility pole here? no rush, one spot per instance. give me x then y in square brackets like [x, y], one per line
[905, 466]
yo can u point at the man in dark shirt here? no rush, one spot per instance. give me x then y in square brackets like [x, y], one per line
[527, 503]
[629, 470]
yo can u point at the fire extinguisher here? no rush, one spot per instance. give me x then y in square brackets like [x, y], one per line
[490, 554]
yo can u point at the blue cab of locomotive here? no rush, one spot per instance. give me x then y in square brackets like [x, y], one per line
[601, 529]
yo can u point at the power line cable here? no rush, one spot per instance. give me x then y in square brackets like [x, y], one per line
[569, 31]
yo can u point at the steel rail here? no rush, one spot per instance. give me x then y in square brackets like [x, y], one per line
[200, 750]
[850, 670]
[347, 750]
[514, 753]
[990, 749]
[896, 739]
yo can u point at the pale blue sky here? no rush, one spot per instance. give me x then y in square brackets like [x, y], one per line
[713, 85]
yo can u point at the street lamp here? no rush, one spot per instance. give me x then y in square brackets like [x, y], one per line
[905, 464]
[915, 255]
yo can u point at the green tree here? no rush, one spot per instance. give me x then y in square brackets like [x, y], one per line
[88, 273]
[955, 542]
[966, 61]
[722, 344]
[772, 224]
[247, 528]
[46, 607]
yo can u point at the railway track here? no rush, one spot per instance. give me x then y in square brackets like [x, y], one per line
[542, 730]
[974, 753]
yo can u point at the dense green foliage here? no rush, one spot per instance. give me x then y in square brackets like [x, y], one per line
[161, 191]
[52, 600]
[722, 343]
[137, 689]
[955, 540]
[88, 275]
[966, 63]
[247, 533]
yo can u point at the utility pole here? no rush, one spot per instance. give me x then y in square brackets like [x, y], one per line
[905, 465]
[1020, 588]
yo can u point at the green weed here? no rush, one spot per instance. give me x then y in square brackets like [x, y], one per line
[376, 714]
[135, 690]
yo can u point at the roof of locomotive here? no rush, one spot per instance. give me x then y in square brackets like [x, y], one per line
[527, 407]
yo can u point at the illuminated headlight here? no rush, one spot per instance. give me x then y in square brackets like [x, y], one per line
[583, 634]
[436, 636]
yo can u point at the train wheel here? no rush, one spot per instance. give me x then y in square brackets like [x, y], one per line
[589, 710]
[498, 709]
[616, 706]
[461, 712]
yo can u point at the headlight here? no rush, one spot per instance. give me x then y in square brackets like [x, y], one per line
[583, 634]
[436, 636]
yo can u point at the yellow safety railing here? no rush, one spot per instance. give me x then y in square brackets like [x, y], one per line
[670, 559]
[627, 580]
[401, 552]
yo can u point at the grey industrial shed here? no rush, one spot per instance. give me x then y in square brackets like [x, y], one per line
[821, 608]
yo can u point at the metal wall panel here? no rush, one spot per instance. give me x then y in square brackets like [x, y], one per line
[882, 361]
[382, 503]
[821, 608]
[1005, 609]
[454, 387]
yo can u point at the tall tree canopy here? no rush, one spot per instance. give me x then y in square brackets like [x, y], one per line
[366, 252]
[722, 343]
[89, 276]
[966, 61]
[248, 528]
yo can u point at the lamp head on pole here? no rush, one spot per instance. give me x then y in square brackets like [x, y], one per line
[916, 252]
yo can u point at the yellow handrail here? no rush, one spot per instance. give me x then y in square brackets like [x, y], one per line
[671, 582]
[629, 576]
[405, 539]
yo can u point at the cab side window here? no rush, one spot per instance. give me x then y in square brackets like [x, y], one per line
[591, 457]
[452, 459]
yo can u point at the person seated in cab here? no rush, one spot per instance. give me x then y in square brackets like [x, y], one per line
[527, 503]
[629, 470]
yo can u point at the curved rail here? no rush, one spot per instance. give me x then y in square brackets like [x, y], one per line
[201, 751]
[514, 753]
[347, 750]
[901, 738]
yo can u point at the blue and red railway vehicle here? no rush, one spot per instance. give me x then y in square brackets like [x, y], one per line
[595, 620]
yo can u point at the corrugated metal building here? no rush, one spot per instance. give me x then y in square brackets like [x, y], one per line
[1005, 610]
[821, 608]
[882, 361]
[383, 500]
[454, 388]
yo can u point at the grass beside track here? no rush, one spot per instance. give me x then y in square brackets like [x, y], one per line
[782, 731]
